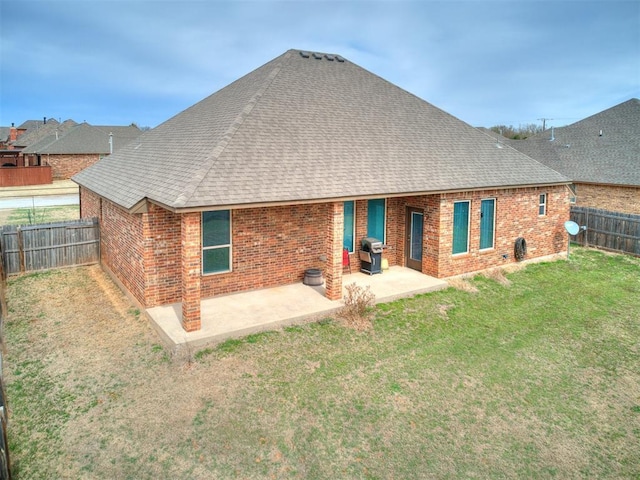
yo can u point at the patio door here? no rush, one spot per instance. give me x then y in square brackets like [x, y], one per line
[415, 227]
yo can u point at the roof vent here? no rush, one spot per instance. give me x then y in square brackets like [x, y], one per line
[304, 54]
[317, 56]
[339, 58]
[329, 57]
[600, 134]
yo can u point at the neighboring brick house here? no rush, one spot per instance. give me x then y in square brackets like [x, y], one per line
[280, 170]
[601, 154]
[32, 131]
[77, 147]
[5, 137]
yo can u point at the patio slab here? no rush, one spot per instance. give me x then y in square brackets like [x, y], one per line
[240, 314]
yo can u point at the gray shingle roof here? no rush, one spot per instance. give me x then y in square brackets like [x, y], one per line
[85, 138]
[301, 129]
[582, 154]
[37, 130]
[4, 134]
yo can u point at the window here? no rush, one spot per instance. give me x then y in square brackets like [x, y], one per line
[461, 227]
[487, 223]
[216, 241]
[375, 218]
[542, 208]
[349, 225]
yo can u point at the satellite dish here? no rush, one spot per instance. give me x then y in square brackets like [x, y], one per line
[572, 228]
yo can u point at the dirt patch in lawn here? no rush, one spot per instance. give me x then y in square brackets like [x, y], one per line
[120, 388]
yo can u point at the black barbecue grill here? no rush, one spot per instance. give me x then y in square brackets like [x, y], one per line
[371, 256]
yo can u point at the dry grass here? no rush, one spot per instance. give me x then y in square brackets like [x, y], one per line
[30, 216]
[504, 388]
[463, 284]
[497, 275]
[358, 312]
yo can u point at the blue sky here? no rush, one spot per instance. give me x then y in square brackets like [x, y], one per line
[486, 62]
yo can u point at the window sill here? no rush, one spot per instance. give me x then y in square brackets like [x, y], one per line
[210, 274]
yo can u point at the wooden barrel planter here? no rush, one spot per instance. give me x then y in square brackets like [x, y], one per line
[313, 277]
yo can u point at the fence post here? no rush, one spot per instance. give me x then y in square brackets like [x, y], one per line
[20, 250]
[586, 222]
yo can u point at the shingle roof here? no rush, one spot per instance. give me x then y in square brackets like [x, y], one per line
[302, 128]
[581, 153]
[85, 138]
[4, 134]
[37, 130]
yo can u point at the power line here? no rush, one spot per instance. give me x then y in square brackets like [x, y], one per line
[544, 122]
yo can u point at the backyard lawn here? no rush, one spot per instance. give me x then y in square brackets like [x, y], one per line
[38, 215]
[532, 374]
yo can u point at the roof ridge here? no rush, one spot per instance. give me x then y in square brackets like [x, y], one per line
[201, 173]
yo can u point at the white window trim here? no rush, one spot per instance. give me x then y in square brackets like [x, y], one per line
[493, 243]
[230, 245]
[466, 252]
[542, 204]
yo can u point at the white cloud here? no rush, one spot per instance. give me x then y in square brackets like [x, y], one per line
[485, 62]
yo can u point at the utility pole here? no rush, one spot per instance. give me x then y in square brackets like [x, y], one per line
[544, 122]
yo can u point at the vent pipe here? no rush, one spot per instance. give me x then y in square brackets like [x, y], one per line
[110, 143]
[552, 135]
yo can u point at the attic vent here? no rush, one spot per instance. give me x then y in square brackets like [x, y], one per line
[304, 54]
[317, 56]
[339, 58]
[329, 57]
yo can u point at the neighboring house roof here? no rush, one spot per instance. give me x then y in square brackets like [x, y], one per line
[38, 130]
[583, 154]
[306, 127]
[31, 125]
[4, 134]
[85, 138]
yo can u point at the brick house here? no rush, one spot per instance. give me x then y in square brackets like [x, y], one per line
[600, 153]
[284, 168]
[69, 150]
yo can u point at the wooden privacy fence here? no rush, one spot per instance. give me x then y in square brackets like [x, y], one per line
[52, 245]
[608, 230]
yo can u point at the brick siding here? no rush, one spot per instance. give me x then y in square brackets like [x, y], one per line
[121, 242]
[274, 246]
[516, 216]
[608, 197]
[65, 166]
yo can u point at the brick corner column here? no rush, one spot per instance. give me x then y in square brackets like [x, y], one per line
[191, 251]
[333, 269]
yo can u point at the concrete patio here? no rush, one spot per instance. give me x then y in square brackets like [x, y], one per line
[237, 315]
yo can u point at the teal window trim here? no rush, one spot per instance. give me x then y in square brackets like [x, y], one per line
[376, 218]
[349, 234]
[461, 214]
[216, 242]
[487, 223]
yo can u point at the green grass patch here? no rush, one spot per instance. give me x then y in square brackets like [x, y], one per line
[537, 376]
[38, 215]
